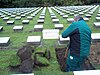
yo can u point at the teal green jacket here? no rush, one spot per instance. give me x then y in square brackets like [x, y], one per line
[80, 38]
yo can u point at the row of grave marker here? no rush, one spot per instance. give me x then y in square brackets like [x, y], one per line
[47, 34]
[41, 20]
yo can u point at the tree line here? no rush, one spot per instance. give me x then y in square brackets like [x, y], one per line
[34, 3]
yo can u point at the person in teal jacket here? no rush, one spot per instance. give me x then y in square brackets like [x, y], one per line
[80, 41]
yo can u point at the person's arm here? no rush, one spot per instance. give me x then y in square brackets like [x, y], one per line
[69, 30]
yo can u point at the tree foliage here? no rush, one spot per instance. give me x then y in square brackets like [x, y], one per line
[32, 3]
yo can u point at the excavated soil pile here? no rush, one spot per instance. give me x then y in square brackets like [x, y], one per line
[95, 54]
[25, 60]
[94, 58]
[60, 52]
[25, 54]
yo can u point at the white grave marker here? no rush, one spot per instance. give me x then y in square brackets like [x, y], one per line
[38, 27]
[17, 18]
[87, 72]
[70, 20]
[41, 17]
[63, 40]
[29, 17]
[53, 17]
[1, 28]
[10, 22]
[34, 40]
[88, 15]
[97, 24]
[4, 41]
[17, 28]
[65, 16]
[6, 18]
[50, 34]
[95, 36]
[25, 21]
[98, 18]
[86, 19]
[13, 16]
[58, 26]
[55, 20]
[22, 74]
[40, 21]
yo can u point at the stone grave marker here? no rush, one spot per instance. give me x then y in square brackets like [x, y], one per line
[55, 20]
[65, 16]
[18, 28]
[70, 19]
[50, 34]
[1, 28]
[98, 18]
[88, 15]
[10, 22]
[86, 19]
[23, 74]
[58, 26]
[34, 40]
[13, 16]
[98, 15]
[53, 17]
[87, 72]
[23, 15]
[40, 21]
[25, 21]
[38, 27]
[95, 37]
[97, 24]
[17, 18]
[29, 17]
[6, 18]
[42, 17]
[2, 16]
[4, 41]
[63, 41]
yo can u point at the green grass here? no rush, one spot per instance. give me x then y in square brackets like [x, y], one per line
[18, 39]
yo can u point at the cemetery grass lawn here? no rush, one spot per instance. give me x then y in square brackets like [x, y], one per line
[18, 39]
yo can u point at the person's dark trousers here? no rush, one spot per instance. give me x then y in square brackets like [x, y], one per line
[74, 63]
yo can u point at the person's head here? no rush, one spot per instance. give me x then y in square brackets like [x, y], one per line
[78, 17]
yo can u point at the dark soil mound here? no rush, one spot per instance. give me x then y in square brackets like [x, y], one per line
[87, 65]
[25, 61]
[25, 52]
[26, 66]
[95, 54]
[60, 52]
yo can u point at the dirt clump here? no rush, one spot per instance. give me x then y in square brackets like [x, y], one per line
[25, 55]
[26, 66]
[27, 59]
